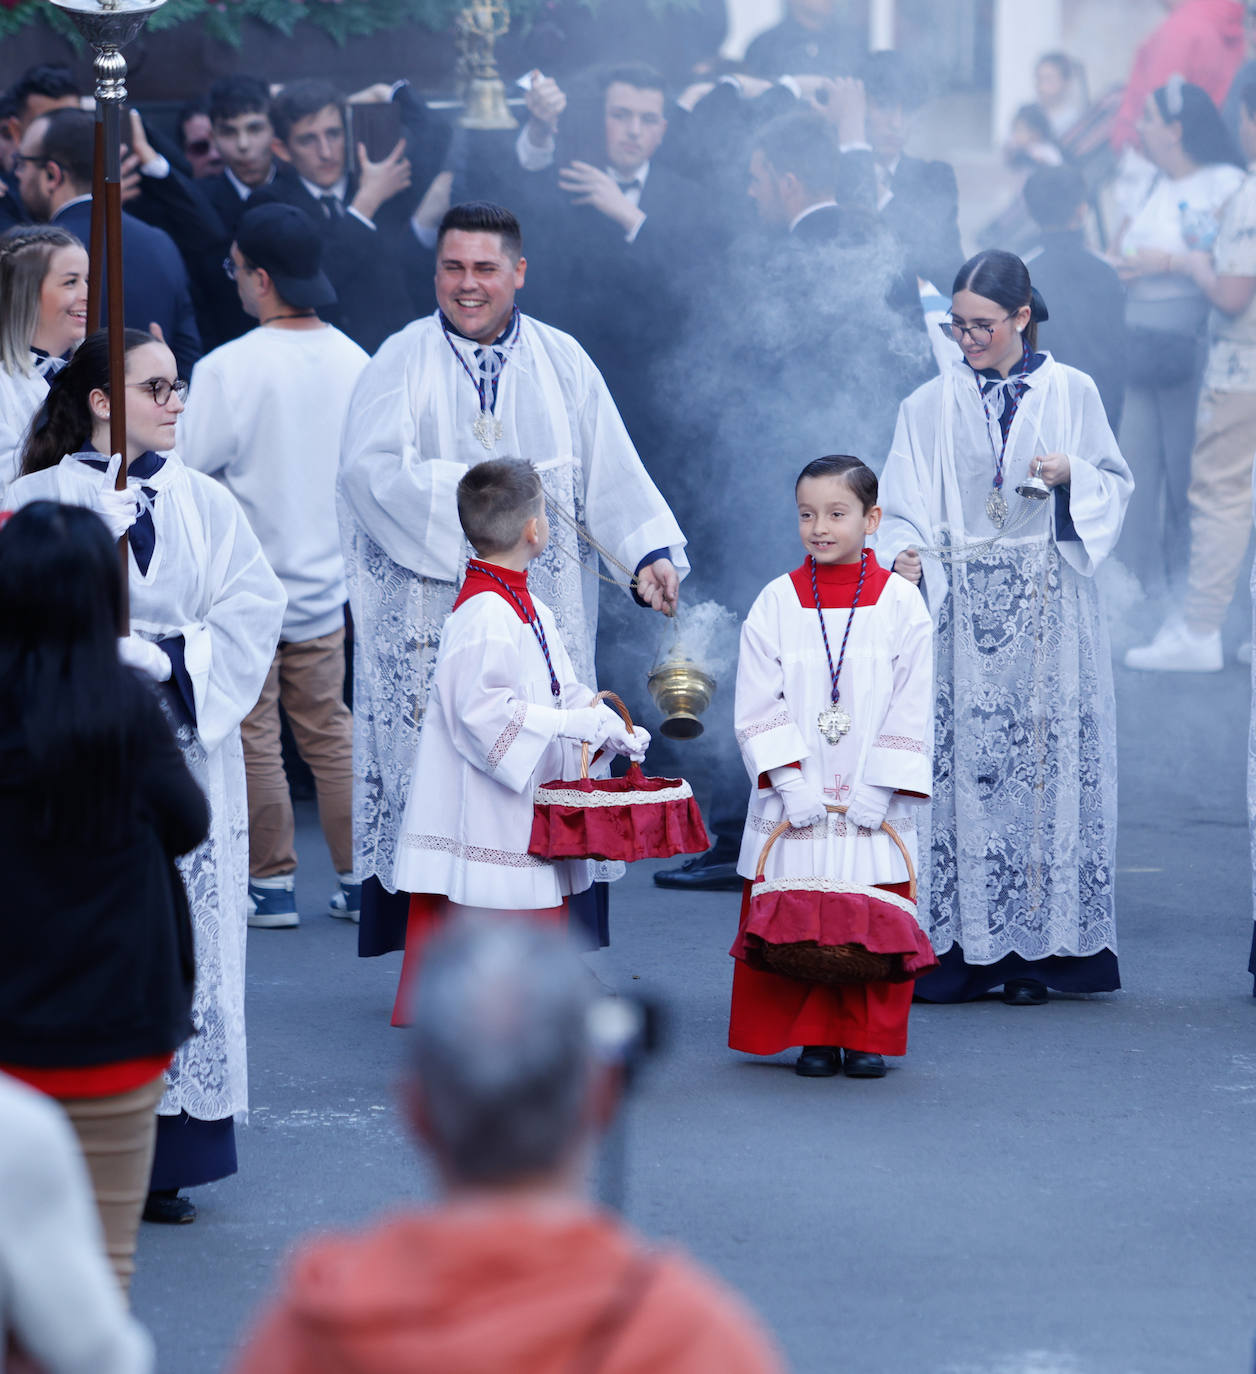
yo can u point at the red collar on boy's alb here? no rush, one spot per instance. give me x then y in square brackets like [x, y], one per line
[488, 577]
[837, 583]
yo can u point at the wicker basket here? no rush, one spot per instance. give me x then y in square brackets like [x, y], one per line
[629, 818]
[816, 962]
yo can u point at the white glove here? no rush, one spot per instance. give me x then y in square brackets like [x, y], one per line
[118, 509]
[589, 724]
[145, 656]
[631, 743]
[804, 804]
[868, 805]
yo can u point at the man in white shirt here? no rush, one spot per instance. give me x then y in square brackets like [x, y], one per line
[264, 415]
[473, 380]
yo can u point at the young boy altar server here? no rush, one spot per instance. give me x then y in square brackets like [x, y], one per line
[506, 714]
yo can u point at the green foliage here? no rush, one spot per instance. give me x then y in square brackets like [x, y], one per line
[342, 19]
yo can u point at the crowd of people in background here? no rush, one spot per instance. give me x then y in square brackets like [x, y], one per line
[670, 289]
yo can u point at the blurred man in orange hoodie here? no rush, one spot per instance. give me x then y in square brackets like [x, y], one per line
[514, 1074]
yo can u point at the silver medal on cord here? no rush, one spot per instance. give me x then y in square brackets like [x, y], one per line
[996, 507]
[833, 723]
[488, 428]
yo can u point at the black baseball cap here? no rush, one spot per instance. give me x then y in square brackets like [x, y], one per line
[285, 241]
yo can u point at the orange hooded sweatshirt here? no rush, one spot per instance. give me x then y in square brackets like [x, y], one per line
[1201, 40]
[512, 1290]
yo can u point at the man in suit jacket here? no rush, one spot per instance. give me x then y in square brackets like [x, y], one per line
[619, 234]
[371, 251]
[917, 201]
[1084, 295]
[54, 172]
[812, 39]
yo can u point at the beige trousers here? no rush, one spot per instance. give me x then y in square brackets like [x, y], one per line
[1220, 501]
[309, 679]
[117, 1135]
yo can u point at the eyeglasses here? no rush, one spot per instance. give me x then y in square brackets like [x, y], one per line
[233, 269]
[161, 390]
[20, 158]
[198, 147]
[980, 334]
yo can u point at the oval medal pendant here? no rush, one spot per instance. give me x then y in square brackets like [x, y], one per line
[834, 722]
[996, 507]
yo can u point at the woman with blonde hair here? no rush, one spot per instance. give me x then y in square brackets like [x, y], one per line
[43, 315]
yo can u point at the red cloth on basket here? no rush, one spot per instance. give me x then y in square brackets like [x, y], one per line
[770, 1013]
[848, 918]
[428, 913]
[642, 830]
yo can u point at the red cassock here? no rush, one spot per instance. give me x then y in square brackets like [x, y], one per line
[771, 1013]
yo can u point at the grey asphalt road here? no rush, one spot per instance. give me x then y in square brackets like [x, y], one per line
[1068, 1188]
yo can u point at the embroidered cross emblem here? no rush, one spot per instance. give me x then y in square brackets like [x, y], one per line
[839, 791]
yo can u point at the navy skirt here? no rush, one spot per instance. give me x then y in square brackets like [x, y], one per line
[191, 1152]
[955, 981]
[382, 922]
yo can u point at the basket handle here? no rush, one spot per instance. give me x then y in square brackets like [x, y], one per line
[841, 811]
[618, 704]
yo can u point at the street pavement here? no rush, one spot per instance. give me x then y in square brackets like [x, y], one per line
[1065, 1188]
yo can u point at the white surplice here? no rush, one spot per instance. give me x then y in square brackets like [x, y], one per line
[1023, 818]
[21, 395]
[209, 582]
[409, 438]
[489, 739]
[783, 684]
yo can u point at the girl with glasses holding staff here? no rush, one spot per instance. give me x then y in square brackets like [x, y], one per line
[1018, 858]
[206, 612]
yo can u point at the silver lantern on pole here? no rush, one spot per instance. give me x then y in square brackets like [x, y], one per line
[108, 25]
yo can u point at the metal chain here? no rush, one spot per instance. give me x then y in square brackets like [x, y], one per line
[583, 534]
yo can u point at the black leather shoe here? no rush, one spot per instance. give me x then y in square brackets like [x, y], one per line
[1024, 992]
[862, 1064]
[709, 872]
[167, 1208]
[818, 1061]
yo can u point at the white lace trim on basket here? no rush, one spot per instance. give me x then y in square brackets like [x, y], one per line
[562, 796]
[827, 885]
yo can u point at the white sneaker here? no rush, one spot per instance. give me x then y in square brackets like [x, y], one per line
[1177, 649]
[1244, 652]
[346, 902]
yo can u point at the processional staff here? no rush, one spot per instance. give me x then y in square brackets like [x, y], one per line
[107, 25]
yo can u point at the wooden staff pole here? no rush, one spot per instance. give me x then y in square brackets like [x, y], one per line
[111, 124]
[96, 238]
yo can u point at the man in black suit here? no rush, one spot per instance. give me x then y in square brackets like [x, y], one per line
[239, 114]
[1084, 295]
[370, 248]
[917, 201]
[812, 39]
[54, 172]
[239, 117]
[619, 234]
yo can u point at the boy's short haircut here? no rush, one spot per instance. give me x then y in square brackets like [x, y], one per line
[495, 500]
[236, 95]
[857, 475]
[309, 95]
